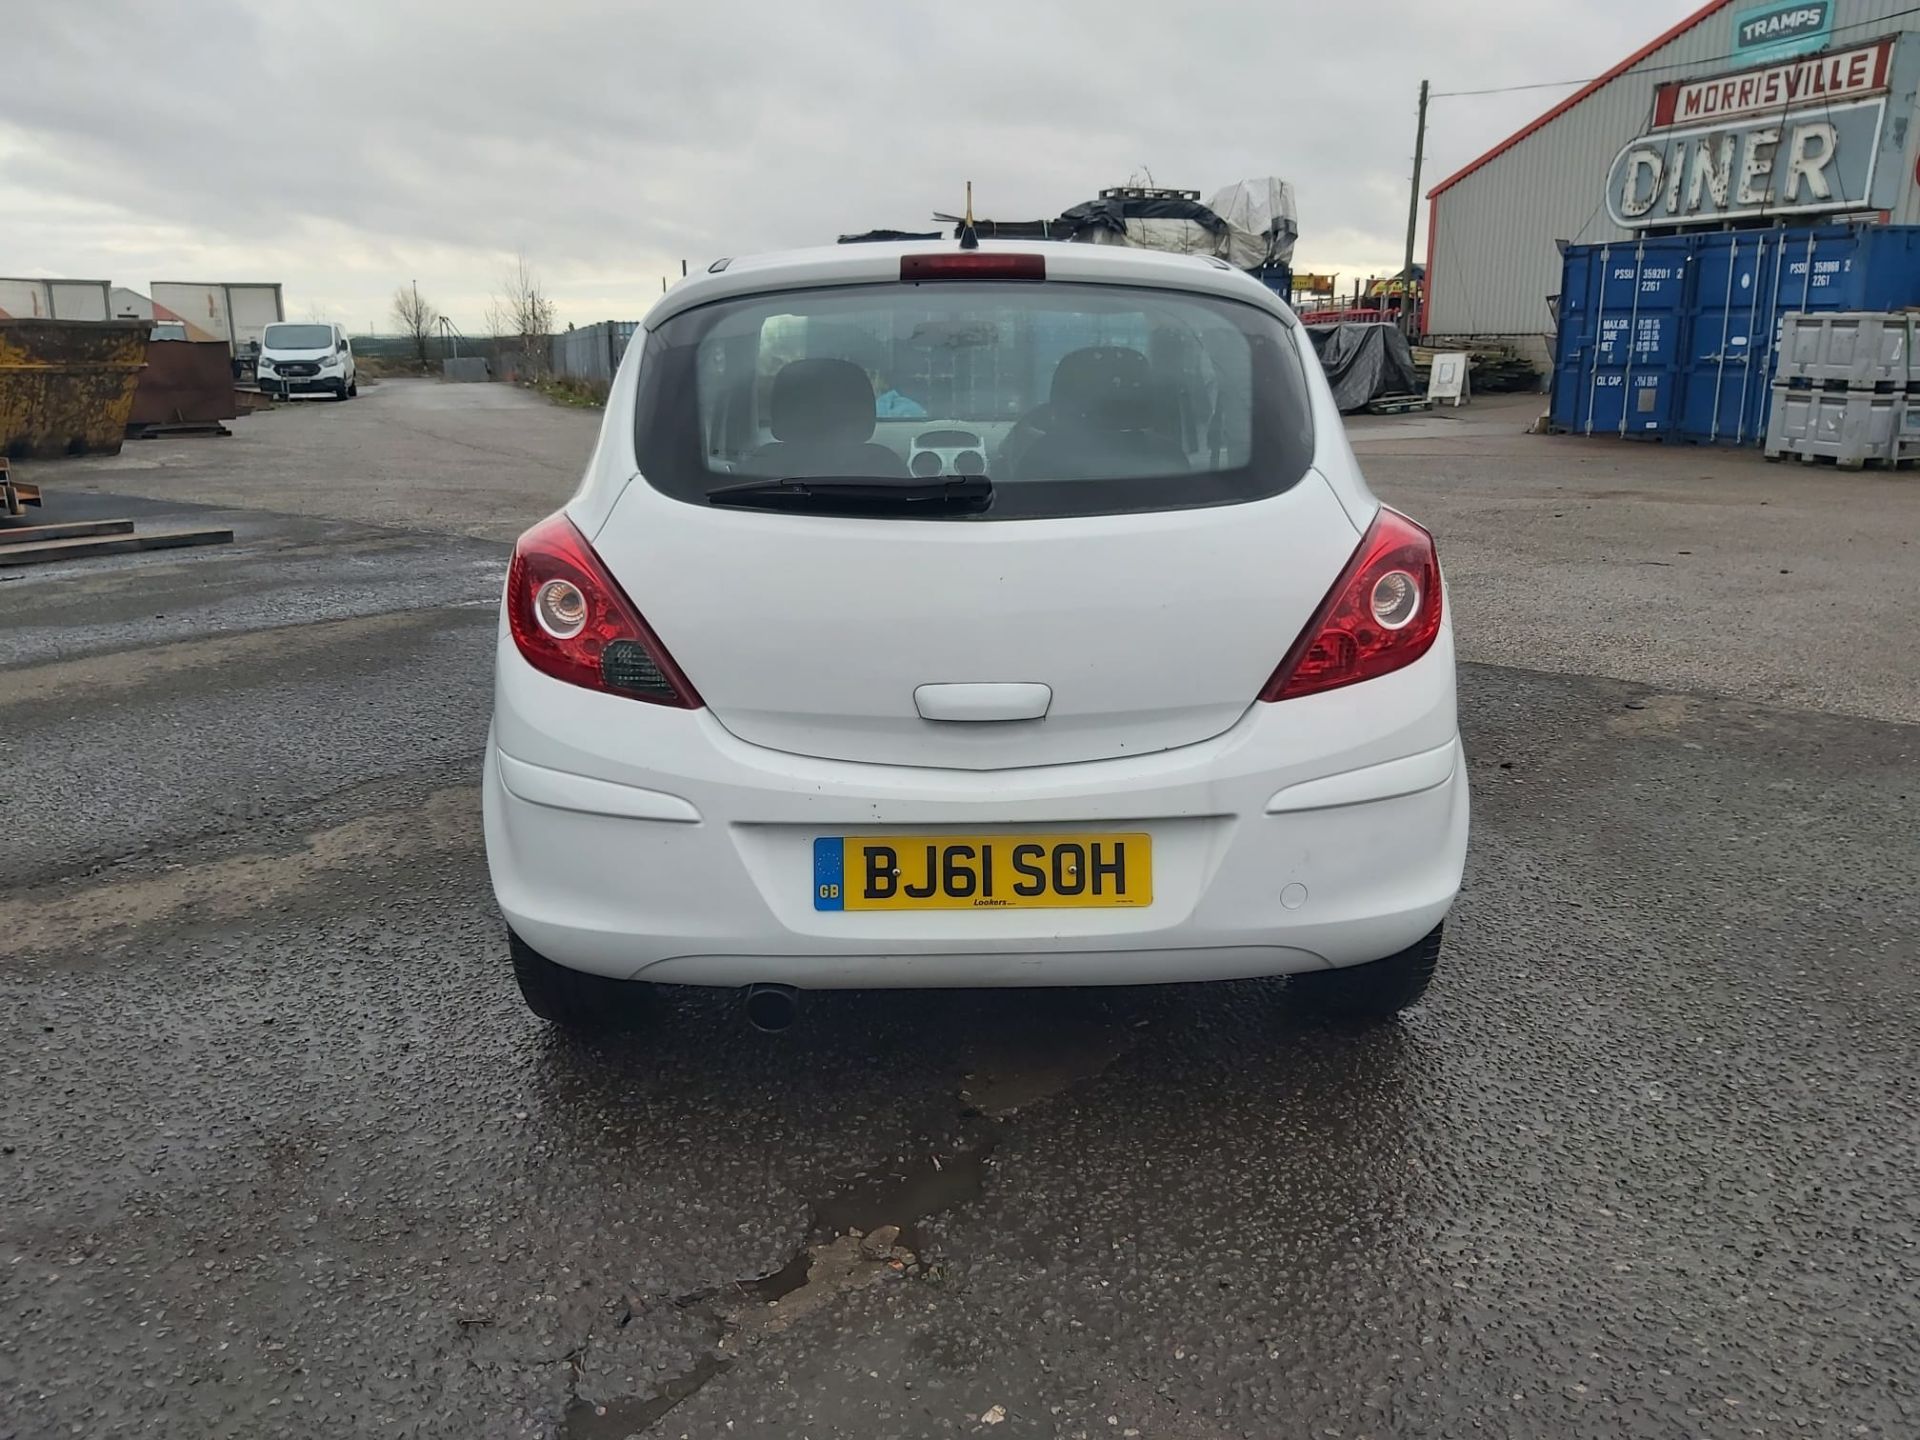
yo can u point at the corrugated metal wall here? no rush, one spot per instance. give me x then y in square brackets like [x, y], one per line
[592, 352]
[1494, 257]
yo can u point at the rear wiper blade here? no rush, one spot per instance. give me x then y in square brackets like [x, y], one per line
[971, 490]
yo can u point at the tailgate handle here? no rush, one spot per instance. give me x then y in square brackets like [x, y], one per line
[976, 703]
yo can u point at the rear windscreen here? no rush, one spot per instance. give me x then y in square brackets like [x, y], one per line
[1070, 399]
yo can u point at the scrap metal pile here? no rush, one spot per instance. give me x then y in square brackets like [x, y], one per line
[1251, 225]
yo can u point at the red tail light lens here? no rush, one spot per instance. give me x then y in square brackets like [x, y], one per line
[572, 621]
[973, 265]
[1383, 613]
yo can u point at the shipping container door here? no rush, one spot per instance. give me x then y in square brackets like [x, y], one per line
[1728, 348]
[1573, 340]
[1626, 326]
[1888, 269]
[1643, 296]
[1812, 269]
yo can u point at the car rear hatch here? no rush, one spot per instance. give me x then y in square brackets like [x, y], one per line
[1091, 505]
[813, 636]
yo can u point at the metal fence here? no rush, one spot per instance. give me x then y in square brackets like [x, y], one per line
[592, 352]
[403, 351]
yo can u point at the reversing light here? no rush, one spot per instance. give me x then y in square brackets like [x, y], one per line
[1396, 599]
[973, 265]
[560, 608]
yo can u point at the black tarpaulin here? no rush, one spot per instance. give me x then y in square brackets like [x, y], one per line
[868, 237]
[1108, 213]
[1363, 362]
[1113, 212]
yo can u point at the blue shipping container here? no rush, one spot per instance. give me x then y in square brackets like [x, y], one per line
[1631, 400]
[1709, 308]
[1728, 360]
[1621, 307]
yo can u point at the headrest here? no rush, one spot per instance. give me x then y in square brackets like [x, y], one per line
[819, 401]
[1102, 387]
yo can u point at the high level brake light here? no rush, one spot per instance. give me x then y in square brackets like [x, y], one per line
[972, 265]
[1382, 614]
[571, 620]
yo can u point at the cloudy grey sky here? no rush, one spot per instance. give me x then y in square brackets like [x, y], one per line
[348, 147]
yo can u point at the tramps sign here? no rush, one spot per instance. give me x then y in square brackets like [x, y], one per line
[1767, 32]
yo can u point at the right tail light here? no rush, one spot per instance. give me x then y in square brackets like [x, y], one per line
[1382, 614]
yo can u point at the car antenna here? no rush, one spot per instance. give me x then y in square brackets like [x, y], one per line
[968, 239]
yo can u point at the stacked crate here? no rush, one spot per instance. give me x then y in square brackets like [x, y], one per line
[1844, 389]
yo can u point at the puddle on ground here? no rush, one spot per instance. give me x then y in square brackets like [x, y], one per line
[768, 1289]
[907, 1193]
[842, 1253]
[1035, 1062]
[617, 1419]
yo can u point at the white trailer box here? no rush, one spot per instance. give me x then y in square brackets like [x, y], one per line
[219, 310]
[54, 299]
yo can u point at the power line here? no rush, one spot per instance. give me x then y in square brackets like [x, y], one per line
[1508, 89]
[1661, 69]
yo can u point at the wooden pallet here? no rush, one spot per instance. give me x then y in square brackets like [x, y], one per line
[1399, 405]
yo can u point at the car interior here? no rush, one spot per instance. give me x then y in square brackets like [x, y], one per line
[1107, 414]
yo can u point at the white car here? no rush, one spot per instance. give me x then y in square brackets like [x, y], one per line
[996, 616]
[307, 358]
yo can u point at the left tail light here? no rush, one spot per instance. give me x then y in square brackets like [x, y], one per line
[1382, 614]
[571, 620]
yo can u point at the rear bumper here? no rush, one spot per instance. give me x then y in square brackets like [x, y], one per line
[644, 843]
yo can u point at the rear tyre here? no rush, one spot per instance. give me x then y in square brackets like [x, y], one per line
[572, 999]
[1376, 991]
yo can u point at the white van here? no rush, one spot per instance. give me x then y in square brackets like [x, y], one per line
[307, 358]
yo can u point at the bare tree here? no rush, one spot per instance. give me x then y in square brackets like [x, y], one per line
[524, 312]
[417, 319]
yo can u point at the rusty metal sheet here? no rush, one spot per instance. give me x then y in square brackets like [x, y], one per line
[66, 386]
[186, 382]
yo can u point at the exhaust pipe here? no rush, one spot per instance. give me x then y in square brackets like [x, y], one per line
[771, 1008]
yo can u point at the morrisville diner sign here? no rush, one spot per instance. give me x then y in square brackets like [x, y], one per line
[1796, 137]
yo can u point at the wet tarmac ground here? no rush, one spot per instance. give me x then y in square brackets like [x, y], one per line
[282, 1154]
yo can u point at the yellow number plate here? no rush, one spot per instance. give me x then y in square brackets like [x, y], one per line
[981, 872]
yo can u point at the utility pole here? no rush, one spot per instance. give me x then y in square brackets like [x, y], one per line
[1407, 307]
